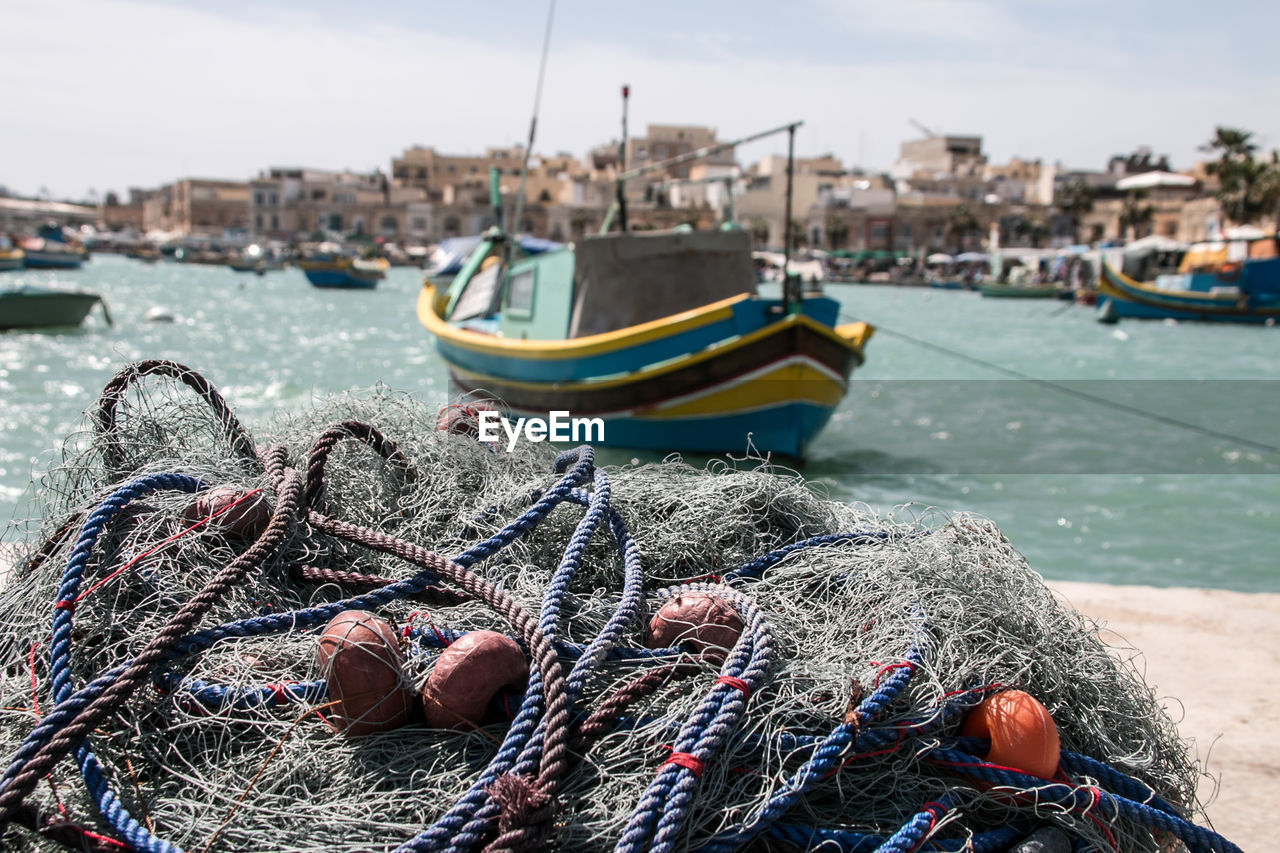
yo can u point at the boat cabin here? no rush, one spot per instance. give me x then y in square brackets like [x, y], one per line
[604, 283]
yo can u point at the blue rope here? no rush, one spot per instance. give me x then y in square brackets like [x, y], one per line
[60, 660]
[845, 841]
[663, 808]
[824, 758]
[913, 832]
[1082, 799]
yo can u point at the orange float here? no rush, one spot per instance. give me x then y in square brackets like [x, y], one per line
[1022, 732]
[359, 656]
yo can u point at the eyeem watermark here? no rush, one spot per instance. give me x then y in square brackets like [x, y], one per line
[557, 426]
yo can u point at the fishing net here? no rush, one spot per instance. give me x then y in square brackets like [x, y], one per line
[835, 720]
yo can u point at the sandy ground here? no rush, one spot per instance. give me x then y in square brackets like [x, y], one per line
[1214, 659]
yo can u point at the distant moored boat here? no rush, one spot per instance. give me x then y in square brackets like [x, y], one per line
[30, 307]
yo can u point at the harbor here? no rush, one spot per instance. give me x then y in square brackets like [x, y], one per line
[766, 476]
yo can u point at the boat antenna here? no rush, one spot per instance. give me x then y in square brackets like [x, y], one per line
[533, 128]
[622, 162]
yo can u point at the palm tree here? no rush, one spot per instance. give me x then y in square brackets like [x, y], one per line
[759, 230]
[961, 223]
[1074, 200]
[1242, 181]
[1135, 214]
[1230, 143]
[837, 232]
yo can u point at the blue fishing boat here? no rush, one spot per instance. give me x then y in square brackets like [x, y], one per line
[661, 335]
[1232, 281]
[49, 250]
[328, 267]
[42, 254]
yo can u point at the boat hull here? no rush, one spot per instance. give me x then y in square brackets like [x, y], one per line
[997, 291]
[770, 388]
[40, 260]
[44, 310]
[346, 273]
[341, 279]
[1120, 296]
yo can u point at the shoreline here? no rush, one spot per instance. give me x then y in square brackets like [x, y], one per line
[1208, 655]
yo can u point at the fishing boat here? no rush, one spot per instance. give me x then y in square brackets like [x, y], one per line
[327, 266]
[1224, 280]
[40, 253]
[661, 335]
[256, 259]
[30, 307]
[146, 254]
[11, 258]
[997, 290]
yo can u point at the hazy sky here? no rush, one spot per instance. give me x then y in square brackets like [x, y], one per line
[106, 95]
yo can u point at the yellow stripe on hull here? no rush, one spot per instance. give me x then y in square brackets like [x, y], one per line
[429, 313]
[800, 380]
[1106, 287]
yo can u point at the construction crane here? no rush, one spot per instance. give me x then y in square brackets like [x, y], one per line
[926, 131]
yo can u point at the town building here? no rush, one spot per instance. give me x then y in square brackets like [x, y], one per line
[199, 207]
[296, 203]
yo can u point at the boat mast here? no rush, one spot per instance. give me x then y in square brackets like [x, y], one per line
[788, 296]
[533, 127]
[622, 162]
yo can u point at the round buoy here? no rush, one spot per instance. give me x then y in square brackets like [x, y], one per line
[468, 674]
[1022, 732]
[159, 314]
[700, 620]
[360, 659]
[242, 517]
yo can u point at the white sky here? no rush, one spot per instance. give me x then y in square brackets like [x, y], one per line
[106, 95]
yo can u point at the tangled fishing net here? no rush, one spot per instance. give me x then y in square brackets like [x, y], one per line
[162, 689]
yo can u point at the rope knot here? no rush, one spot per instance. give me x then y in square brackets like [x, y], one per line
[519, 799]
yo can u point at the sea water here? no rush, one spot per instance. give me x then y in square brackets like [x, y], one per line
[1120, 467]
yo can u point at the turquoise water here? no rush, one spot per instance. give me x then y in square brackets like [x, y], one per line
[1098, 498]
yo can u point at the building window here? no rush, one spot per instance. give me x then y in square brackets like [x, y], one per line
[419, 223]
[258, 198]
[273, 199]
[275, 221]
[317, 195]
[257, 221]
[388, 225]
[335, 221]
